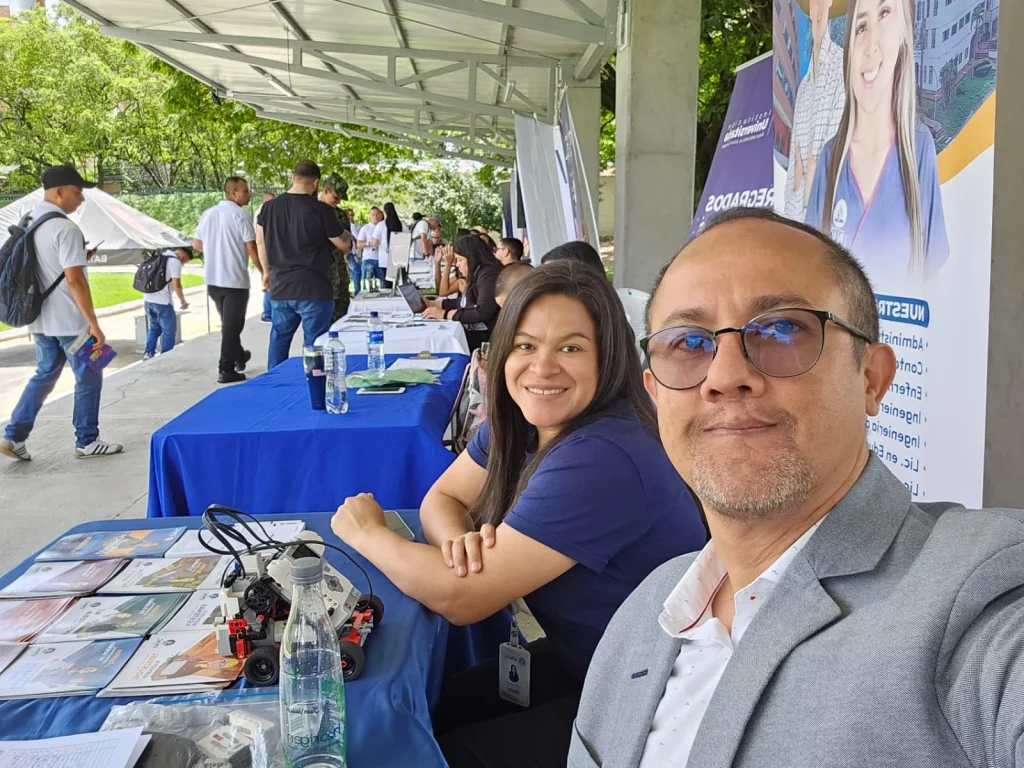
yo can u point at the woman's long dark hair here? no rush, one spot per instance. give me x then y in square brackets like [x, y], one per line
[619, 378]
[476, 253]
[391, 220]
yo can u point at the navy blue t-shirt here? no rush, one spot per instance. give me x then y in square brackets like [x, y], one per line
[608, 497]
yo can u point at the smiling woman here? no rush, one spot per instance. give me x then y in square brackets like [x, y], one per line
[565, 497]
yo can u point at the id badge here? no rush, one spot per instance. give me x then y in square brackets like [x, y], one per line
[514, 670]
[514, 674]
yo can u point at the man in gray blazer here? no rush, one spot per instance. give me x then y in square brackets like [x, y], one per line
[832, 620]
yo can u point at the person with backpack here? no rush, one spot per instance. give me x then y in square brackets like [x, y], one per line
[52, 253]
[157, 277]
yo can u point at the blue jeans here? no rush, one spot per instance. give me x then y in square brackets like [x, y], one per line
[50, 358]
[162, 322]
[371, 270]
[266, 307]
[355, 270]
[315, 317]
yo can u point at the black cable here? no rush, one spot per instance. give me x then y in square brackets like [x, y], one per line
[223, 531]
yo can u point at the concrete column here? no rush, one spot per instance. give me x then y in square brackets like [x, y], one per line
[656, 137]
[585, 105]
[1004, 428]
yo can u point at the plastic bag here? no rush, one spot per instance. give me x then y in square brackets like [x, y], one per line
[227, 729]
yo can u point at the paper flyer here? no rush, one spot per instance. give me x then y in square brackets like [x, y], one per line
[189, 544]
[22, 620]
[65, 669]
[178, 662]
[168, 574]
[200, 612]
[112, 618]
[104, 545]
[60, 579]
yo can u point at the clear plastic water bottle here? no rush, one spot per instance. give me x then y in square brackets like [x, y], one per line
[313, 724]
[375, 345]
[335, 368]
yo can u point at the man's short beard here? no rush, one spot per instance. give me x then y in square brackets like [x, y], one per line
[782, 483]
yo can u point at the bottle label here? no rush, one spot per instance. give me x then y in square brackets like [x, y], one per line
[375, 337]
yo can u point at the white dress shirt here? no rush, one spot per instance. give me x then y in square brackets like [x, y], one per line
[707, 649]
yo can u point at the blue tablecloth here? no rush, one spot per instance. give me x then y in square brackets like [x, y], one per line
[388, 706]
[260, 447]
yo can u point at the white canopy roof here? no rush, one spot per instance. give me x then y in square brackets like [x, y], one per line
[442, 76]
[126, 234]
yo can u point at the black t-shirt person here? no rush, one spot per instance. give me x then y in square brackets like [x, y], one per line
[296, 231]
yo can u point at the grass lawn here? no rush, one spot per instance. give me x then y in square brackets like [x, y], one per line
[110, 288]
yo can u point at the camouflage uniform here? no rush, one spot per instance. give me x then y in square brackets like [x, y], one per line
[339, 276]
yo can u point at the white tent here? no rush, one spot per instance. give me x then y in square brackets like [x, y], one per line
[125, 234]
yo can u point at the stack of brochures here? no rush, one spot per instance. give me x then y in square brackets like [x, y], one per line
[119, 613]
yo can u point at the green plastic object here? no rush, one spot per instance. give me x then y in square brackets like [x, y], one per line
[406, 377]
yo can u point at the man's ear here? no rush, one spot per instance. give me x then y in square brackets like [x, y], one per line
[879, 370]
[651, 385]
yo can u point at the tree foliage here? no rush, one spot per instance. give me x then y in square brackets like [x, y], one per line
[69, 94]
[461, 199]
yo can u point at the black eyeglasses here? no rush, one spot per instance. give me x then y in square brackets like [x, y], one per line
[781, 344]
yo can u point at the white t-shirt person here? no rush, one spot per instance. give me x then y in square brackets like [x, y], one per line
[59, 245]
[172, 272]
[366, 235]
[421, 228]
[224, 230]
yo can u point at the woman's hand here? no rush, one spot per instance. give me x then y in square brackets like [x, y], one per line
[356, 518]
[465, 553]
[433, 313]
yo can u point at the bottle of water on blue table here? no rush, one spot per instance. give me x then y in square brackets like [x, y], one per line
[335, 368]
[375, 345]
[313, 726]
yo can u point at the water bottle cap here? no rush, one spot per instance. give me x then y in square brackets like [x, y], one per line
[332, 334]
[373, 314]
[307, 570]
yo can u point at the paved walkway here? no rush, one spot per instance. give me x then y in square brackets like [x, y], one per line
[42, 498]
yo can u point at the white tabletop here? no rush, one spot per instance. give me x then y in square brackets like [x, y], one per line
[435, 336]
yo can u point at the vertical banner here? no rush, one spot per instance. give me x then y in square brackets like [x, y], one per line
[538, 161]
[741, 171]
[581, 219]
[884, 133]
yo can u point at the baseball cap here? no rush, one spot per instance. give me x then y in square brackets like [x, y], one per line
[64, 176]
[434, 217]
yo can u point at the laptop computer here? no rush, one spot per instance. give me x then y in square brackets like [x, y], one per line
[413, 298]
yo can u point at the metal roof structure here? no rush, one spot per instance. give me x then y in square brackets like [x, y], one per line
[441, 76]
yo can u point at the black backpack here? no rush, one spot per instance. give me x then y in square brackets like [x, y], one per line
[151, 276]
[21, 295]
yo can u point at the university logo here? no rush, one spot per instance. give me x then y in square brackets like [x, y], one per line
[839, 214]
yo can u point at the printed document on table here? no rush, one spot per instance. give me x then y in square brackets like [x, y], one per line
[434, 365]
[107, 749]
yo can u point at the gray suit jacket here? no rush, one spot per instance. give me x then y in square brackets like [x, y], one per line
[895, 638]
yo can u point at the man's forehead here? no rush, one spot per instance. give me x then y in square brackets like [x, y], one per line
[746, 266]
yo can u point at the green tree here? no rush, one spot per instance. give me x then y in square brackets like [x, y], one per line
[461, 198]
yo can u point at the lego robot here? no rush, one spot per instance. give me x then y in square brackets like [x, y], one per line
[255, 609]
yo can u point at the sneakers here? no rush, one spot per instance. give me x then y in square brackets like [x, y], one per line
[246, 357]
[148, 356]
[230, 377]
[266, 321]
[97, 448]
[15, 450]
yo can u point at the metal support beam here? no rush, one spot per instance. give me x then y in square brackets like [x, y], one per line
[165, 37]
[349, 118]
[585, 12]
[423, 97]
[423, 76]
[517, 17]
[334, 63]
[396, 27]
[591, 61]
[286, 117]
[515, 91]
